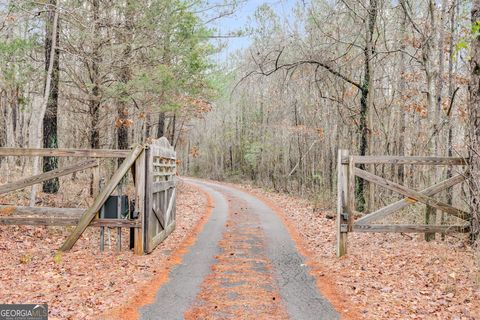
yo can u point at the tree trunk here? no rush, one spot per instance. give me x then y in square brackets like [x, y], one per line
[37, 130]
[125, 77]
[474, 89]
[451, 57]
[50, 134]
[94, 103]
[402, 114]
[434, 100]
[365, 99]
[161, 125]
[122, 129]
[173, 125]
[3, 109]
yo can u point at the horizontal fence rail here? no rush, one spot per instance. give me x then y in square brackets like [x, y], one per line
[444, 161]
[409, 228]
[44, 152]
[30, 181]
[61, 221]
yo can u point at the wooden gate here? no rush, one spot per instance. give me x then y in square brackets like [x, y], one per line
[154, 171]
[160, 193]
[347, 173]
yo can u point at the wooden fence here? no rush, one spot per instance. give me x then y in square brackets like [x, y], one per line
[347, 173]
[153, 167]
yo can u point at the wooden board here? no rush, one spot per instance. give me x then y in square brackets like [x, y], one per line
[162, 235]
[406, 160]
[163, 185]
[139, 180]
[410, 228]
[6, 210]
[351, 209]
[83, 153]
[68, 221]
[30, 181]
[342, 189]
[150, 218]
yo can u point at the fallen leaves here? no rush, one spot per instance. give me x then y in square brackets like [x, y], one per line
[83, 283]
[7, 211]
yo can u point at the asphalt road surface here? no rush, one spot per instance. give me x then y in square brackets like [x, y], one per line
[243, 265]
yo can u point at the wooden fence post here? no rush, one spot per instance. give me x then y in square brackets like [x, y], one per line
[140, 176]
[96, 180]
[149, 200]
[351, 192]
[342, 204]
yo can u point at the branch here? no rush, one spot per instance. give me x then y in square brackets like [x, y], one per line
[437, 128]
[450, 107]
[407, 14]
[293, 65]
[323, 65]
[301, 158]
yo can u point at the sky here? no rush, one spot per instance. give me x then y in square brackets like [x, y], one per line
[242, 18]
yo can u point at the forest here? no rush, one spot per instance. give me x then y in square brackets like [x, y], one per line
[310, 78]
[274, 113]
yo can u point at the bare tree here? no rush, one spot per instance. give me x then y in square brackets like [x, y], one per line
[37, 129]
[50, 132]
[475, 120]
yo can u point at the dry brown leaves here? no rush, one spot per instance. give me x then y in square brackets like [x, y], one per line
[389, 276]
[83, 283]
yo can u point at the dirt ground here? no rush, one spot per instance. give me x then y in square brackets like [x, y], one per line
[84, 283]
